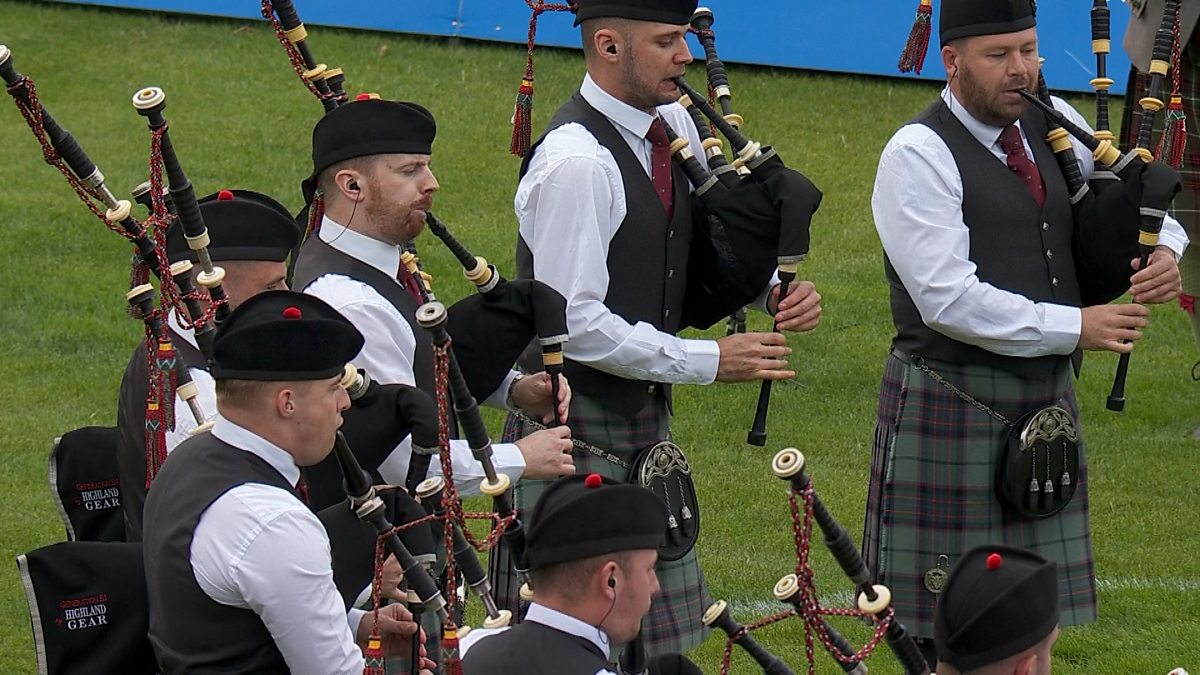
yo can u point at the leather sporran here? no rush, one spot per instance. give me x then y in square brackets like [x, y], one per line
[664, 470]
[1039, 468]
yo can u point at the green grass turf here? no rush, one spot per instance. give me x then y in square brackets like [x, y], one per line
[240, 118]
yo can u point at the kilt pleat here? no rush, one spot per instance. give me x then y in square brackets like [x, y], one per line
[673, 624]
[932, 494]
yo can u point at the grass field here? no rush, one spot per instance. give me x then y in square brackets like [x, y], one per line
[240, 118]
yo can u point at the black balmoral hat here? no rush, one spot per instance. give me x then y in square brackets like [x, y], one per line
[284, 336]
[676, 12]
[998, 602]
[583, 516]
[242, 225]
[968, 18]
[371, 126]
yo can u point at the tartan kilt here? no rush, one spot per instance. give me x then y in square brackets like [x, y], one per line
[673, 624]
[932, 489]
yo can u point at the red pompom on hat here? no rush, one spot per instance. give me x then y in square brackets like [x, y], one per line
[284, 336]
[997, 602]
[593, 480]
[225, 196]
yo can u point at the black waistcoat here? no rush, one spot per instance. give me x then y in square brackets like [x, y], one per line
[647, 259]
[1014, 245]
[531, 648]
[191, 632]
[317, 259]
[131, 429]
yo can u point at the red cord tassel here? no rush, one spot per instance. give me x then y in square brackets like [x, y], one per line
[1174, 137]
[316, 211]
[166, 363]
[522, 119]
[451, 663]
[373, 656]
[912, 59]
[160, 403]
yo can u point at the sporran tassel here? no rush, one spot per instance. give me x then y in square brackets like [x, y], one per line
[912, 59]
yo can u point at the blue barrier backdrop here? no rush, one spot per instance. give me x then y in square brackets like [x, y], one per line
[852, 37]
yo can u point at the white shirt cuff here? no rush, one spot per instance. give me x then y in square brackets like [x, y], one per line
[508, 460]
[1062, 327]
[703, 357]
[1174, 239]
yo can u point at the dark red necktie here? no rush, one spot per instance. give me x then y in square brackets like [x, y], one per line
[409, 283]
[1019, 162]
[660, 165]
[302, 489]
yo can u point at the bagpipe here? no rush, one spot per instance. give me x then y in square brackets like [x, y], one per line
[505, 311]
[490, 330]
[168, 374]
[1147, 188]
[150, 103]
[325, 83]
[369, 507]
[453, 390]
[798, 590]
[757, 213]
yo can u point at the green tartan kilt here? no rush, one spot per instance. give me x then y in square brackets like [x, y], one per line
[932, 489]
[673, 624]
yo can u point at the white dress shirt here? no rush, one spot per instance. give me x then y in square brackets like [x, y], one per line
[258, 547]
[570, 204]
[388, 354]
[554, 619]
[917, 204]
[206, 392]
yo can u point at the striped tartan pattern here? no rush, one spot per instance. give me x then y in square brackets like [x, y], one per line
[673, 624]
[932, 490]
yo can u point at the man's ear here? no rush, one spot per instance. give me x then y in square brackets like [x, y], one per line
[950, 61]
[606, 43]
[348, 183]
[1025, 664]
[285, 404]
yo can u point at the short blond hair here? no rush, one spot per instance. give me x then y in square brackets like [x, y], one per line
[244, 394]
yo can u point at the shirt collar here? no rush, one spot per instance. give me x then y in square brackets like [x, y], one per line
[381, 255]
[986, 134]
[619, 112]
[244, 439]
[568, 624]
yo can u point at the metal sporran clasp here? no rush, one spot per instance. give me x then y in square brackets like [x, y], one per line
[664, 470]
